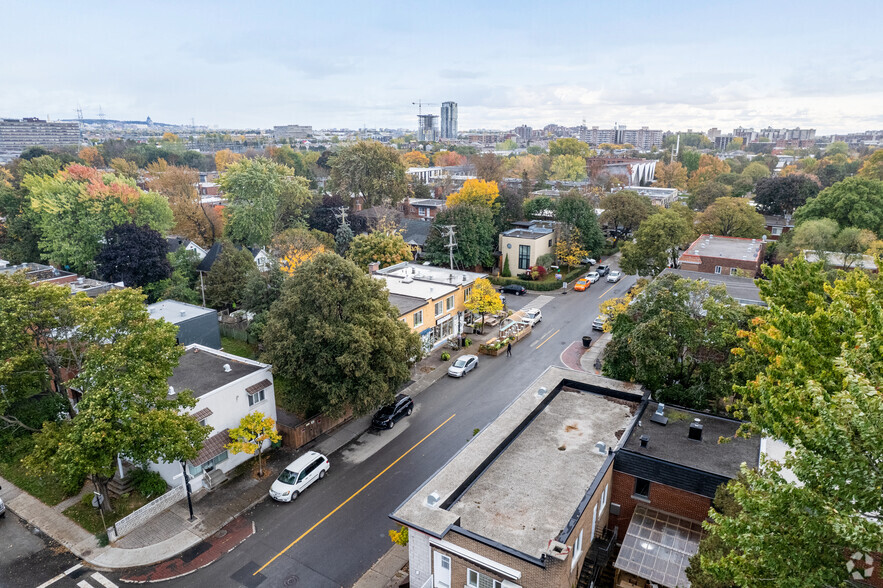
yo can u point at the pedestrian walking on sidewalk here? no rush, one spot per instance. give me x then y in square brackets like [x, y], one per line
[509, 350]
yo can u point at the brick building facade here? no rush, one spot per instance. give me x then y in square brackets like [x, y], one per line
[711, 254]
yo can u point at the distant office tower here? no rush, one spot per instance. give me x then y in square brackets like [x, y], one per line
[297, 132]
[427, 127]
[16, 135]
[449, 120]
[524, 133]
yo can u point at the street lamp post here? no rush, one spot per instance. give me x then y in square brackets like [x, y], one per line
[187, 485]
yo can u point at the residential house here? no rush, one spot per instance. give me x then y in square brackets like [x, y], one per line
[415, 233]
[528, 500]
[226, 388]
[711, 254]
[37, 273]
[742, 289]
[777, 225]
[176, 243]
[837, 260]
[261, 258]
[423, 208]
[431, 300]
[665, 475]
[526, 243]
[195, 323]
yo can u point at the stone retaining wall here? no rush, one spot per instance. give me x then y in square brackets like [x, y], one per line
[145, 513]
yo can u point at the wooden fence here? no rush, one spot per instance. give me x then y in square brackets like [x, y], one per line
[308, 430]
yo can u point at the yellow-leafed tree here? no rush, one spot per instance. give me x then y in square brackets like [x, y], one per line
[484, 299]
[476, 193]
[225, 158]
[415, 159]
[250, 435]
[569, 249]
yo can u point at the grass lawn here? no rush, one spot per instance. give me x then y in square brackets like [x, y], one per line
[240, 348]
[88, 517]
[45, 487]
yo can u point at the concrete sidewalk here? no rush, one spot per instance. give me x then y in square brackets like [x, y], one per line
[171, 533]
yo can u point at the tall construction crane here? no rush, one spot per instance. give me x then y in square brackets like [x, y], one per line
[420, 104]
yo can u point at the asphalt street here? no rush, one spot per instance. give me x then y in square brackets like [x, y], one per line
[339, 527]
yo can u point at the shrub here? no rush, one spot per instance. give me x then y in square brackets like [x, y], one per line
[148, 483]
[467, 342]
[506, 271]
[445, 356]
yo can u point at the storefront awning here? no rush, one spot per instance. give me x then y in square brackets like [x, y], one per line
[658, 546]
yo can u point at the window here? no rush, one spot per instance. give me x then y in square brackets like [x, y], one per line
[467, 294]
[477, 580]
[256, 397]
[449, 303]
[577, 550]
[604, 498]
[523, 256]
[734, 271]
[777, 231]
[421, 210]
[439, 308]
[202, 422]
[550, 242]
[594, 519]
[418, 318]
[642, 488]
[717, 269]
[209, 465]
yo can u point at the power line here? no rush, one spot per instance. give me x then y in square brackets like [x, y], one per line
[448, 231]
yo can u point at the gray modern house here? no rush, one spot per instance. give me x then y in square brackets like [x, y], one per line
[195, 323]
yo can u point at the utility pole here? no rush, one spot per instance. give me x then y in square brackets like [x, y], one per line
[340, 215]
[448, 231]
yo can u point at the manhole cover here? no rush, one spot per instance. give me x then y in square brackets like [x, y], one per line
[220, 533]
[290, 581]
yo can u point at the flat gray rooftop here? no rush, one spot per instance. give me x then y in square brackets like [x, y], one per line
[203, 371]
[725, 247]
[744, 290]
[671, 443]
[406, 304]
[528, 494]
[176, 312]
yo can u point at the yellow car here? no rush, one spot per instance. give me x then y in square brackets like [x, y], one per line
[581, 285]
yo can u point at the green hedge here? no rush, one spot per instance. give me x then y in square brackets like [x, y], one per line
[543, 286]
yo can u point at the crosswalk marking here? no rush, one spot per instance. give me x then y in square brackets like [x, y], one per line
[103, 581]
[541, 301]
[84, 584]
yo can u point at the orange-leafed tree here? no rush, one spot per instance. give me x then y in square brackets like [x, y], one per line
[198, 222]
[91, 156]
[710, 167]
[476, 193]
[448, 159]
[293, 247]
[671, 175]
[415, 159]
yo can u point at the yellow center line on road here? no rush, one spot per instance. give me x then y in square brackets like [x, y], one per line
[341, 505]
[607, 290]
[547, 338]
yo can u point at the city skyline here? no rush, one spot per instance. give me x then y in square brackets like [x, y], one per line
[672, 67]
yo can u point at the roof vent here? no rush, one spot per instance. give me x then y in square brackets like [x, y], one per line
[407, 280]
[432, 499]
[171, 390]
[601, 447]
[695, 432]
[227, 368]
[645, 440]
[541, 392]
[451, 278]
[81, 279]
[183, 313]
[659, 416]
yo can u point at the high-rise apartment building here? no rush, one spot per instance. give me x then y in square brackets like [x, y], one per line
[16, 135]
[427, 127]
[449, 120]
[297, 132]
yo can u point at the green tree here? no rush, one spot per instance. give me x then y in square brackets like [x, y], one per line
[570, 168]
[675, 339]
[852, 242]
[756, 171]
[625, 209]
[818, 392]
[816, 235]
[572, 147]
[538, 207]
[225, 281]
[484, 299]
[506, 273]
[372, 169]
[872, 167]
[343, 238]
[575, 211]
[336, 338]
[125, 408]
[690, 159]
[657, 243]
[731, 217]
[707, 193]
[183, 284]
[475, 237]
[837, 148]
[249, 436]
[385, 245]
[782, 195]
[854, 202]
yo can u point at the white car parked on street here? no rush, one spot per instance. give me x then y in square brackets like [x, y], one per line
[532, 316]
[593, 277]
[614, 276]
[299, 474]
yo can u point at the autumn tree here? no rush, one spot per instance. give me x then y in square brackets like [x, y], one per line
[337, 340]
[249, 437]
[225, 158]
[571, 168]
[294, 246]
[225, 281]
[818, 391]
[372, 169]
[569, 247]
[133, 255]
[488, 167]
[292, 159]
[475, 237]
[483, 300]
[570, 146]
[675, 339]
[731, 217]
[125, 409]
[448, 159]
[657, 243]
[854, 202]
[475, 193]
[201, 223]
[671, 175]
[626, 210]
[872, 167]
[415, 159]
[124, 168]
[710, 167]
[91, 156]
[384, 245]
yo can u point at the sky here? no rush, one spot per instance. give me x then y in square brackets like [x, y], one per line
[673, 65]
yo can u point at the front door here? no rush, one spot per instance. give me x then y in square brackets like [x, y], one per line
[442, 570]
